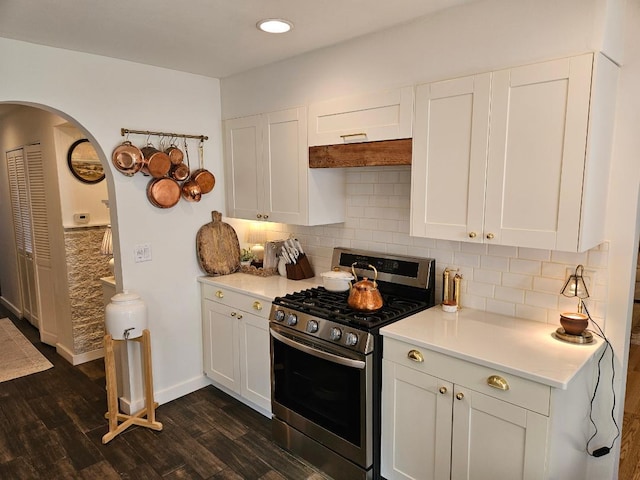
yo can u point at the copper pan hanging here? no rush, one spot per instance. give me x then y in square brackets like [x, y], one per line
[190, 188]
[175, 154]
[204, 177]
[163, 192]
[127, 158]
[156, 163]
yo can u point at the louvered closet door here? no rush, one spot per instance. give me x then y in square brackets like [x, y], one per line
[22, 227]
[44, 285]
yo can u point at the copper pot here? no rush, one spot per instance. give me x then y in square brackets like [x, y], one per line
[127, 158]
[205, 179]
[156, 163]
[163, 192]
[364, 295]
[179, 172]
[175, 154]
[191, 190]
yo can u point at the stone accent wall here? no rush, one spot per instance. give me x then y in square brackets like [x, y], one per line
[85, 267]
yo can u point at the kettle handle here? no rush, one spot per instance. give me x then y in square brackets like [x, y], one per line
[375, 271]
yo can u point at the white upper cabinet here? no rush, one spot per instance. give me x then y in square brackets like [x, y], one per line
[362, 118]
[516, 157]
[268, 175]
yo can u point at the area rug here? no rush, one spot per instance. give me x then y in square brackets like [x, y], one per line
[18, 356]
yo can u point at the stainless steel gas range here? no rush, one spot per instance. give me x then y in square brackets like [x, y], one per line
[326, 363]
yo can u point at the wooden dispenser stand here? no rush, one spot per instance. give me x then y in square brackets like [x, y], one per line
[113, 413]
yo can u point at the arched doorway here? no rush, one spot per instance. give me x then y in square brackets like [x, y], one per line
[62, 264]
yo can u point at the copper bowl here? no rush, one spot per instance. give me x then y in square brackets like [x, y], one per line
[574, 323]
[127, 158]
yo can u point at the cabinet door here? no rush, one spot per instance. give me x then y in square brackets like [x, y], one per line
[244, 171]
[255, 360]
[496, 439]
[539, 116]
[416, 424]
[220, 337]
[285, 165]
[369, 117]
[449, 158]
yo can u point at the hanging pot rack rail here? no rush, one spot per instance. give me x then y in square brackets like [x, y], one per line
[126, 131]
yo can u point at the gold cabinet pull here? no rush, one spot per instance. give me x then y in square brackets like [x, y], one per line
[360, 134]
[443, 390]
[472, 234]
[459, 396]
[416, 356]
[265, 216]
[259, 215]
[239, 317]
[490, 236]
[496, 381]
[257, 305]
[220, 294]
[233, 314]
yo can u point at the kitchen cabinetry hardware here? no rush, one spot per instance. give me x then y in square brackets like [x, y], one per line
[127, 131]
[219, 294]
[490, 236]
[496, 381]
[460, 396]
[346, 135]
[472, 234]
[257, 305]
[442, 390]
[416, 356]
[235, 339]
[259, 215]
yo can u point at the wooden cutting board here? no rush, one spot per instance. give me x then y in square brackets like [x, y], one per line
[217, 247]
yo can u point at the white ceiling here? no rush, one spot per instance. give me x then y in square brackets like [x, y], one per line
[216, 38]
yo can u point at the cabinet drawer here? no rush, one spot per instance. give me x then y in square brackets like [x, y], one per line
[246, 303]
[522, 392]
[362, 118]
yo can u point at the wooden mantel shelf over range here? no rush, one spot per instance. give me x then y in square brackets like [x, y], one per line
[367, 154]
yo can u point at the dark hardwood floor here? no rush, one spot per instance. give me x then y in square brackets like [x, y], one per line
[630, 446]
[52, 423]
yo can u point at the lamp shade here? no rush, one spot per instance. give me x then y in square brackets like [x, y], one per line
[575, 286]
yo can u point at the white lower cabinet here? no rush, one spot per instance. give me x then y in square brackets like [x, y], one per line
[454, 424]
[236, 345]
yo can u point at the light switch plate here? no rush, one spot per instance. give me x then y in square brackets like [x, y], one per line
[142, 252]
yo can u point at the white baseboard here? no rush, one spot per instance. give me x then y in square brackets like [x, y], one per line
[10, 306]
[130, 406]
[77, 359]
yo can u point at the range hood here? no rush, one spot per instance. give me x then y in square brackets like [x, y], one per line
[362, 154]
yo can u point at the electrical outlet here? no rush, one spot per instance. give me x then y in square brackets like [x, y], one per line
[142, 253]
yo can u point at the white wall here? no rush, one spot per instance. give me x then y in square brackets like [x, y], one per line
[103, 95]
[478, 37]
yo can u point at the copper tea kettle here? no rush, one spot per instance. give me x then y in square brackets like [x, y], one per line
[364, 295]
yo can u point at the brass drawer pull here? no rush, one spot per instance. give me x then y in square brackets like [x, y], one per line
[257, 305]
[416, 356]
[459, 396]
[472, 234]
[443, 390]
[490, 236]
[496, 381]
[220, 294]
[361, 134]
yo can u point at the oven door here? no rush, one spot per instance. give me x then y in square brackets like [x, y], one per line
[324, 392]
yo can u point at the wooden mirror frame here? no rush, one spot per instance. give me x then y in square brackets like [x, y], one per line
[84, 163]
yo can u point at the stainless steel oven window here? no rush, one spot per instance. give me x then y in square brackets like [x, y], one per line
[324, 393]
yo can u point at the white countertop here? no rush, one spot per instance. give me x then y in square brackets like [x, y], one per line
[517, 346]
[265, 287]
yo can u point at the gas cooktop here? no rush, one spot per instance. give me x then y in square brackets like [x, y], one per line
[321, 303]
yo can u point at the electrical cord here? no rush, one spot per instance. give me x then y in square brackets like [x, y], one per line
[599, 452]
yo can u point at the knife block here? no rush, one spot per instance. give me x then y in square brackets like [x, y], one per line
[300, 270]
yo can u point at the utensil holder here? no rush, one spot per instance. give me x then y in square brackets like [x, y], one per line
[301, 269]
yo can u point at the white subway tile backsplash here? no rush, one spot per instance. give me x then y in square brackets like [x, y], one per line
[529, 267]
[524, 282]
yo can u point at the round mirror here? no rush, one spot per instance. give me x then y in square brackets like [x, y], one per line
[84, 162]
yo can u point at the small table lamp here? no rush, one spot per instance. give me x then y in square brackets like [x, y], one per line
[574, 324]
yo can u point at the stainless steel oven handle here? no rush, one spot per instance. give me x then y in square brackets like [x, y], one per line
[348, 362]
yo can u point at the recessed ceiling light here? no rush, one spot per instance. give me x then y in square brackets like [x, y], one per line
[274, 25]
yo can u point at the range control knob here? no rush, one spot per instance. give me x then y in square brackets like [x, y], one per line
[351, 339]
[292, 319]
[279, 315]
[335, 333]
[312, 326]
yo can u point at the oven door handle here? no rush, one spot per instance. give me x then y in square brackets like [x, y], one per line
[348, 362]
